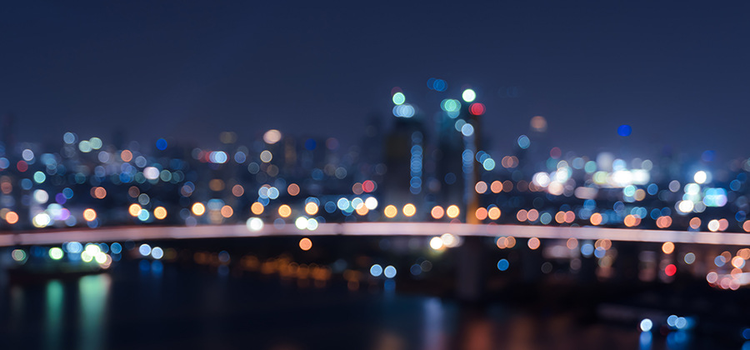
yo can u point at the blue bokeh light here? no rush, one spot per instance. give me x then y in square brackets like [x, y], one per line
[503, 264]
[624, 130]
[161, 144]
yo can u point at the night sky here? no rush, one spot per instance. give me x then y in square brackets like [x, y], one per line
[187, 70]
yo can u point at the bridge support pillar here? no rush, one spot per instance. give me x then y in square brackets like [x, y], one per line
[469, 271]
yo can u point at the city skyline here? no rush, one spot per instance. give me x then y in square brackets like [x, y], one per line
[386, 175]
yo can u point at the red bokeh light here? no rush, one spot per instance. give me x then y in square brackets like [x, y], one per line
[555, 152]
[368, 186]
[22, 166]
[476, 109]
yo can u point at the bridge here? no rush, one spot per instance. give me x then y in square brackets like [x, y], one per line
[144, 233]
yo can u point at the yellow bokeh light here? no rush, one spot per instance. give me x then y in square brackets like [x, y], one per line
[436, 243]
[227, 211]
[496, 186]
[521, 215]
[390, 211]
[453, 211]
[510, 242]
[305, 244]
[509, 162]
[603, 244]
[266, 156]
[744, 253]
[572, 243]
[216, 185]
[501, 243]
[11, 217]
[89, 214]
[494, 213]
[160, 213]
[738, 262]
[663, 222]
[449, 240]
[727, 255]
[198, 209]
[667, 247]
[631, 220]
[362, 210]
[560, 217]
[506, 242]
[238, 190]
[126, 156]
[272, 136]
[311, 208]
[713, 225]
[293, 189]
[409, 210]
[532, 215]
[640, 195]
[539, 124]
[134, 209]
[596, 219]
[534, 243]
[284, 211]
[99, 192]
[257, 208]
[437, 212]
[695, 223]
[570, 216]
[481, 213]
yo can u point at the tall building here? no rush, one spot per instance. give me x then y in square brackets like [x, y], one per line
[449, 164]
[404, 152]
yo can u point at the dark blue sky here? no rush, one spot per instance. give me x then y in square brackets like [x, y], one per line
[676, 71]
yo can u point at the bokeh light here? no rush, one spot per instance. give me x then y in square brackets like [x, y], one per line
[533, 243]
[390, 211]
[452, 211]
[624, 130]
[305, 244]
[399, 98]
[272, 136]
[409, 210]
[198, 209]
[89, 214]
[469, 95]
[160, 213]
[539, 123]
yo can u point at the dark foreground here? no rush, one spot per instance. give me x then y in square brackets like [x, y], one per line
[147, 304]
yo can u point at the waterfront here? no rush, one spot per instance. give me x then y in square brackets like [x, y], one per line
[186, 309]
[178, 303]
[296, 175]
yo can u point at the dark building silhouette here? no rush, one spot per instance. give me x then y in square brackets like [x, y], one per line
[404, 158]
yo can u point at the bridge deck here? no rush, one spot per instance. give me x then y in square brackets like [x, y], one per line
[140, 233]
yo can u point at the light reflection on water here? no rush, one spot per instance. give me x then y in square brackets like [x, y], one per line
[434, 337]
[187, 309]
[40, 315]
[53, 318]
[93, 293]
